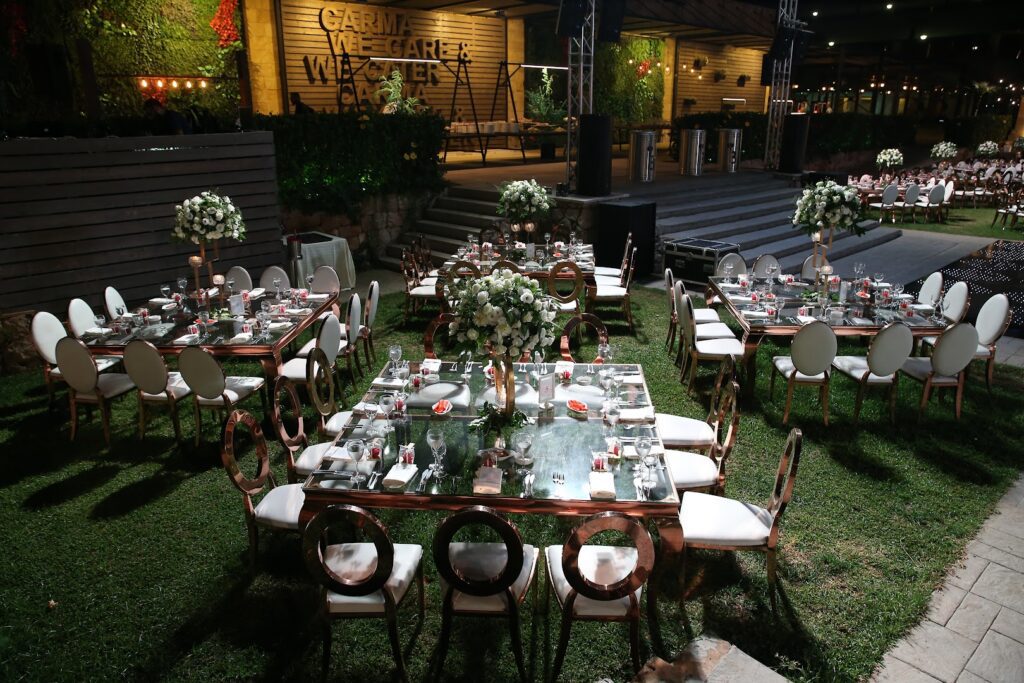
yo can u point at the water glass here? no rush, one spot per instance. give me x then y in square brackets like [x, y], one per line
[165, 291]
[604, 352]
[611, 416]
[728, 268]
[230, 282]
[100, 320]
[277, 286]
[395, 354]
[355, 449]
[435, 439]
[182, 284]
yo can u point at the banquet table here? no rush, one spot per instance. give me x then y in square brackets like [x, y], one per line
[168, 330]
[859, 317]
[538, 268]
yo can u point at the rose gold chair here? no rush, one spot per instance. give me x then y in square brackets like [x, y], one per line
[483, 579]
[698, 471]
[813, 350]
[279, 507]
[573, 326]
[717, 523]
[211, 389]
[156, 385]
[361, 580]
[599, 582]
[570, 301]
[947, 366]
[602, 293]
[86, 384]
[430, 336]
[301, 458]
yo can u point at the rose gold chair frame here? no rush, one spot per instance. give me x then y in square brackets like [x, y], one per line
[726, 421]
[436, 324]
[578, 283]
[626, 280]
[292, 443]
[573, 325]
[504, 264]
[499, 584]
[313, 543]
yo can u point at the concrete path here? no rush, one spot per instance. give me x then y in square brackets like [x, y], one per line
[974, 630]
[913, 255]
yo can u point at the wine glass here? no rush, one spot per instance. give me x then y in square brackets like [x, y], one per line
[355, 449]
[100, 320]
[604, 352]
[572, 237]
[182, 284]
[435, 439]
[611, 415]
[165, 291]
[728, 268]
[309, 282]
[277, 287]
[878, 278]
[604, 378]
[230, 282]
[521, 442]
[287, 294]
[858, 269]
[466, 357]
[547, 240]
[387, 405]
[772, 269]
[395, 354]
[538, 360]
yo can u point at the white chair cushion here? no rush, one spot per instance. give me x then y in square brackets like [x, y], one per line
[691, 470]
[982, 352]
[717, 349]
[482, 561]
[311, 344]
[714, 520]
[600, 563]
[423, 292]
[310, 458]
[429, 281]
[607, 280]
[338, 421]
[237, 389]
[919, 368]
[784, 364]
[607, 270]
[567, 306]
[610, 292]
[175, 384]
[110, 384]
[705, 315]
[856, 366]
[281, 506]
[686, 432]
[354, 561]
[714, 331]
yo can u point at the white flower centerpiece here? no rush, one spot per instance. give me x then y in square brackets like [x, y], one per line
[889, 158]
[988, 149]
[505, 314]
[523, 203]
[824, 208]
[207, 217]
[943, 150]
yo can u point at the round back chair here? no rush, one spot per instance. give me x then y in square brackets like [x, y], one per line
[809, 271]
[890, 349]
[993, 319]
[588, 319]
[314, 544]
[80, 317]
[372, 303]
[229, 459]
[555, 274]
[890, 194]
[670, 291]
[77, 365]
[954, 349]
[949, 191]
[956, 302]
[243, 281]
[329, 338]
[931, 288]
[201, 372]
[440, 322]
[46, 332]
[739, 266]
[271, 273]
[726, 425]
[761, 263]
[145, 366]
[913, 191]
[814, 348]
[478, 583]
[785, 477]
[114, 303]
[320, 381]
[325, 280]
[936, 195]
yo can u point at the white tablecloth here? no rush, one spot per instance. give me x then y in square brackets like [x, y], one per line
[334, 252]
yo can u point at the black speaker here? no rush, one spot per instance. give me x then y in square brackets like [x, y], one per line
[609, 30]
[784, 37]
[570, 18]
[614, 221]
[794, 143]
[594, 163]
[767, 64]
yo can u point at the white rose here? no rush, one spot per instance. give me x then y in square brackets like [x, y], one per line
[472, 334]
[482, 297]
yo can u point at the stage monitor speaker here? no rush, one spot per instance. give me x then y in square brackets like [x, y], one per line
[784, 37]
[570, 18]
[767, 64]
[609, 30]
[594, 162]
[615, 220]
[794, 143]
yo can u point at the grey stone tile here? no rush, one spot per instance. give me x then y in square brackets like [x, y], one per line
[1001, 585]
[935, 650]
[998, 659]
[944, 603]
[967, 677]
[1010, 623]
[1001, 540]
[739, 666]
[1009, 519]
[966, 574]
[896, 671]
[973, 617]
[995, 555]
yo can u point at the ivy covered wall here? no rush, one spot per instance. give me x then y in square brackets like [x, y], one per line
[44, 62]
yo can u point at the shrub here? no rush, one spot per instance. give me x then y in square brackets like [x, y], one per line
[972, 131]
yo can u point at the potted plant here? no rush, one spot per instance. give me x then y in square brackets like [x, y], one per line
[391, 90]
[207, 217]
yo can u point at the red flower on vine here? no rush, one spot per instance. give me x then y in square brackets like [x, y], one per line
[643, 68]
[223, 23]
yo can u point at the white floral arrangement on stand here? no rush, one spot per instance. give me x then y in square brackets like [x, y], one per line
[943, 150]
[827, 206]
[207, 217]
[889, 158]
[505, 312]
[524, 201]
[988, 149]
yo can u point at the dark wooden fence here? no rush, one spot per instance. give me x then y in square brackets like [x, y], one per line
[77, 215]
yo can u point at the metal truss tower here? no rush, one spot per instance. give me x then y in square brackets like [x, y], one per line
[779, 99]
[581, 89]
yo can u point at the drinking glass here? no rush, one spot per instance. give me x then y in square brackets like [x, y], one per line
[165, 291]
[547, 240]
[277, 287]
[230, 282]
[604, 352]
[772, 269]
[572, 237]
[728, 268]
[878, 278]
[858, 269]
[466, 357]
[435, 439]
[100, 320]
[355, 448]
[387, 404]
[611, 416]
[604, 379]
[182, 284]
[538, 360]
[286, 293]
[395, 354]
[521, 442]
[309, 282]
[265, 306]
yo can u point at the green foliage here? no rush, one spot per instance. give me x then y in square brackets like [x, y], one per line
[541, 104]
[331, 162]
[492, 420]
[629, 93]
[972, 131]
[391, 90]
[831, 133]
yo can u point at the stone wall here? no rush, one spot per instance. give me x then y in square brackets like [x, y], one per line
[17, 354]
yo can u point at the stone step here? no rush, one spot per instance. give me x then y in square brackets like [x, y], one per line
[463, 204]
[844, 248]
[752, 240]
[443, 229]
[670, 208]
[792, 243]
[726, 229]
[462, 218]
[483, 194]
[727, 215]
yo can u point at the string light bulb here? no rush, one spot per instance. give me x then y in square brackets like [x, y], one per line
[143, 84]
[174, 83]
[202, 84]
[159, 83]
[188, 85]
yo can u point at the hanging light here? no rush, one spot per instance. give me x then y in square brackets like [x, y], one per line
[188, 85]
[159, 83]
[202, 83]
[143, 84]
[174, 83]
[924, 36]
[831, 43]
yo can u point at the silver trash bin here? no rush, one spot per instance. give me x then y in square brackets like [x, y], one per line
[642, 155]
[691, 151]
[730, 144]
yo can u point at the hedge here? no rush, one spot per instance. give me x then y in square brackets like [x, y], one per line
[972, 131]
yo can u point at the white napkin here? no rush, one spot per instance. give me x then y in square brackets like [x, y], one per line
[563, 365]
[187, 339]
[487, 481]
[633, 380]
[98, 330]
[388, 383]
[169, 307]
[754, 314]
[739, 298]
[602, 485]
[636, 414]
[297, 311]
[904, 296]
[881, 285]
[399, 475]
[804, 319]
[922, 307]
[318, 297]
[728, 285]
[213, 291]
[259, 291]
[160, 301]
[241, 338]
[432, 364]
[862, 321]
[280, 325]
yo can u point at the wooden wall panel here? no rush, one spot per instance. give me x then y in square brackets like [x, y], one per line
[77, 215]
[314, 32]
[735, 61]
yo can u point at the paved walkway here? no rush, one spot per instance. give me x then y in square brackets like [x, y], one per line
[974, 630]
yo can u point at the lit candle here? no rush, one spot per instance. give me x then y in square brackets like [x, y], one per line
[826, 270]
[195, 261]
[815, 236]
[218, 280]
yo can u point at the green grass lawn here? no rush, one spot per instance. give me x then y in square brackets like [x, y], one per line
[142, 546]
[963, 221]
